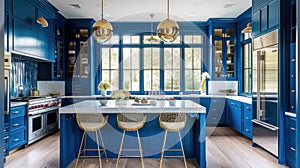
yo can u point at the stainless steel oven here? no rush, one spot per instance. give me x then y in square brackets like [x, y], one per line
[36, 127]
[51, 120]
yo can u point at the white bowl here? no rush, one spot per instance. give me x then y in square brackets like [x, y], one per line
[103, 102]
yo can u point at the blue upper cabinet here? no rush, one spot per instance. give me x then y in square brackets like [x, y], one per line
[223, 48]
[265, 15]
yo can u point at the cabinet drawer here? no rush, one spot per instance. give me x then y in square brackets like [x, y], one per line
[17, 139]
[17, 111]
[234, 104]
[17, 123]
[247, 113]
[5, 151]
[247, 130]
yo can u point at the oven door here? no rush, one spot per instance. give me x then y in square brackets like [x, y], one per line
[35, 127]
[51, 120]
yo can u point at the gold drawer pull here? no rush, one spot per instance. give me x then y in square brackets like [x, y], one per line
[16, 140]
[293, 149]
[6, 137]
[293, 60]
[292, 128]
[247, 118]
[293, 91]
[15, 125]
[5, 130]
[247, 130]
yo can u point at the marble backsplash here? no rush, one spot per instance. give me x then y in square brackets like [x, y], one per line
[216, 87]
[23, 73]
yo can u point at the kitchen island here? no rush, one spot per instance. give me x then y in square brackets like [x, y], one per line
[151, 134]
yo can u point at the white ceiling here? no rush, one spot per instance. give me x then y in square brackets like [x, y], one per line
[139, 10]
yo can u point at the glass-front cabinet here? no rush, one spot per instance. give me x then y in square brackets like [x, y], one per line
[78, 53]
[78, 62]
[224, 56]
[59, 64]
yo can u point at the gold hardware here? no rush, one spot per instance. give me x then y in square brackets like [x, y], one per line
[15, 112]
[293, 60]
[42, 21]
[293, 91]
[15, 140]
[247, 118]
[292, 128]
[293, 149]
[15, 125]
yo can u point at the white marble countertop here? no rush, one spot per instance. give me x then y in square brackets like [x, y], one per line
[93, 106]
[242, 99]
[15, 104]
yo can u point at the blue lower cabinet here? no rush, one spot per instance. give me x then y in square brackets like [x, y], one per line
[17, 139]
[234, 115]
[216, 112]
[291, 141]
[17, 134]
[247, 123]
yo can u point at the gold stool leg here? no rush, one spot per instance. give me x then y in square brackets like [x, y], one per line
[120, 151]
[84, 149]
[104, 149]
[141, 149]
[163, 149]
[182, 149]
[83, 136]
[99, 155]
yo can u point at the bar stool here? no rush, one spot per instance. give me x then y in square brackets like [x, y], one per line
[91, 123]
[172, 122]
[131, 122]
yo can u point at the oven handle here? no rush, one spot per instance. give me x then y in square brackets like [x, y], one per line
[43, 111]
[268, 126]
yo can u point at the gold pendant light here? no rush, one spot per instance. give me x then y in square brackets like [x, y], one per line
[168, 29]
[152, 39]
[102, 29]
[248, 29]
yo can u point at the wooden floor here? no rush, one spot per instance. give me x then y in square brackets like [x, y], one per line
[225, 149]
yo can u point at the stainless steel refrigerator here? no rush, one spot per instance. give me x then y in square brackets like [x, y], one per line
[265, 91]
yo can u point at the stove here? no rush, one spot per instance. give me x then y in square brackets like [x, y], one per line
[42, 115]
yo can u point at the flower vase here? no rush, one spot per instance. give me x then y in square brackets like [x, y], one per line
[103, 92]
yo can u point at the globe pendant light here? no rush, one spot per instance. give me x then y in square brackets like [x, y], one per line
[168, 29]
[152, 39]
[102, 29]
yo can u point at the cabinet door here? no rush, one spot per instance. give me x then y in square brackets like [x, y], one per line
[67, 140]
[273, 13]
[256, 22]
[230, 59]
[236, 119]
[218, 59]
[264, 18]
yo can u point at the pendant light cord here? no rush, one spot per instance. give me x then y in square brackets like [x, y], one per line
[102, 9]
[168, 9]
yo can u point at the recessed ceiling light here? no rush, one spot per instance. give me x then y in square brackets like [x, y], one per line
[229, 5]
[76, 6]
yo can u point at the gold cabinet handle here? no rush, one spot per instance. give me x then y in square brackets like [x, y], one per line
[247, 130]
[6, 137]
[15, 140]
[247, 118]
[16, 112]
[292, 128]
[293, 149]
[293, 91]
[293, 60]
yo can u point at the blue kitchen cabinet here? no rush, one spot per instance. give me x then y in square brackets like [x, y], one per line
[265, 15]
[24, 11]
[234, 115]
[55, 70]
[215, 113]
[79, 60]
[247, 116]
[67, 141]
[290, 141]
[223, 48]
[17, 127]
[50, 18]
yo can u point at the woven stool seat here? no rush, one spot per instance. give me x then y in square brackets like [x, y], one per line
[173, 122]
[91, 122]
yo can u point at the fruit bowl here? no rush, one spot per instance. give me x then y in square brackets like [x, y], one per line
[103, 102]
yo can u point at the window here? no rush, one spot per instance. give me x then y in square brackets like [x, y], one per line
[134, 39]
[246, 68]
[131, 69]
[110, 67]
[172, 60]
[192, 63]
[151, 69]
